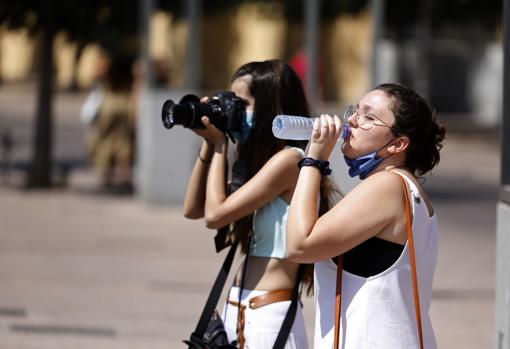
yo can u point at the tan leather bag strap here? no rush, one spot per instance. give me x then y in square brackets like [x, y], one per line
[414, 276]
[412, 260]
[338, 300]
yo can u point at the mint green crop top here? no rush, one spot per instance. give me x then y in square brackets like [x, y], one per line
[270, 228]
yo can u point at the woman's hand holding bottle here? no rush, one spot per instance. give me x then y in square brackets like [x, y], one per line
[325, 134]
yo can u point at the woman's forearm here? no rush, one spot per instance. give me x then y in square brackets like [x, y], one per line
[216, 183]
[303, 211]
[194, 200]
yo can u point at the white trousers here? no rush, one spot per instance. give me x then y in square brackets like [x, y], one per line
[263, 324]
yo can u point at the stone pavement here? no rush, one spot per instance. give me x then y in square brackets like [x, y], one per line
[84, 270]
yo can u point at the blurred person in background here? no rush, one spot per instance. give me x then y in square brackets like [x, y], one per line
[257, 210]
[109, 112]
[394, 136]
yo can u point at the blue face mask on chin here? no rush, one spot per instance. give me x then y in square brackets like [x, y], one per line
[363, 165]
[246, 126]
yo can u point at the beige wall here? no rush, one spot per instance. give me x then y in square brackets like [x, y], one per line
[253, 32]
[241, 35]
[261, 33]
[347, 53]
[64, 55]
[16, 54]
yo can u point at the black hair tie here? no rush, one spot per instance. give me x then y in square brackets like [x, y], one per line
[321, 165]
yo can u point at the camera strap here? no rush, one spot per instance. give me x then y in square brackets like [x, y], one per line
[239, 175]
[214, 295]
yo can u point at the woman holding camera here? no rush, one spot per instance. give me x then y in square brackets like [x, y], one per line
[394, 139]
[257, 211]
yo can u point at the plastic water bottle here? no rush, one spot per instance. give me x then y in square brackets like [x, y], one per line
[298, 127]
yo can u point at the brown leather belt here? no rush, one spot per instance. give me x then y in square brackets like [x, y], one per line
[270, 298]
[255, 303]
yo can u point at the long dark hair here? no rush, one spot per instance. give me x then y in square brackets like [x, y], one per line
[277, 90]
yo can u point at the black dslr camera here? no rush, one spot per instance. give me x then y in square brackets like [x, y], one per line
[225, 110]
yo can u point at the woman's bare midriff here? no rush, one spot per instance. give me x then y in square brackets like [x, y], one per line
[268, 274]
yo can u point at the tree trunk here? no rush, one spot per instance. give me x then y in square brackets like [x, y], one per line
[39, 175]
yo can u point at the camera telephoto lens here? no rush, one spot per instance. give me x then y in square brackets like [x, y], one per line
[187, 113]
[167, 114]
[225, 111]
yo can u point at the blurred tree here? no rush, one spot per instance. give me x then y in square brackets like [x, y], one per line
[111, 23]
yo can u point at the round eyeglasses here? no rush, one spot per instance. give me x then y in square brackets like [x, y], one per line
[364, 119]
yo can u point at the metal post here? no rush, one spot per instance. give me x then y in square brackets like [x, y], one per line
[146, 10]
[193, 44]
[505, 139]
[503, 209]
[158, 180]
[377, 31]
[311, 9]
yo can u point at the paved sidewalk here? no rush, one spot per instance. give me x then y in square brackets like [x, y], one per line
[83, 270]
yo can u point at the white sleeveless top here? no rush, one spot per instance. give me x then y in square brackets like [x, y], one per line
[378, 311]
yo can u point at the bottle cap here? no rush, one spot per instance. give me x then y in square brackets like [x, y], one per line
[346, 131]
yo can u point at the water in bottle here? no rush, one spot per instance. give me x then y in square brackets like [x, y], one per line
[298, 127]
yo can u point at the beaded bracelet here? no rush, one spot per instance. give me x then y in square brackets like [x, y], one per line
[321, 165]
